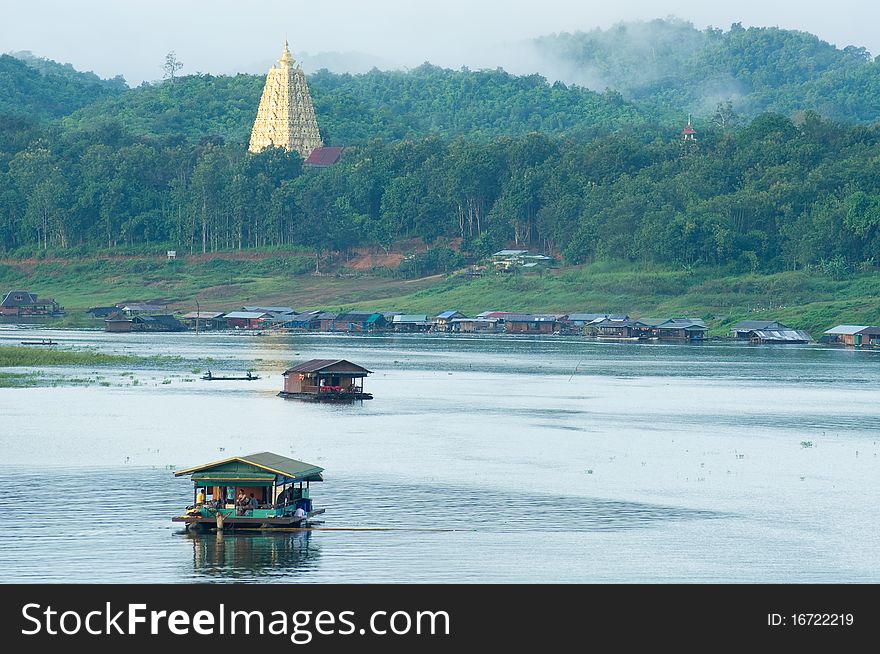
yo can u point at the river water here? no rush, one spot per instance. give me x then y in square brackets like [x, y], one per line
[483, 459]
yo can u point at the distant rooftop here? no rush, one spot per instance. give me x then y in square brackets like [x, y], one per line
[323, 157]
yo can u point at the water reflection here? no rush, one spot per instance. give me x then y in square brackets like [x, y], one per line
[226, 556]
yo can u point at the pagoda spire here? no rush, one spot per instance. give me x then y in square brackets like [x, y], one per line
[689, 133]
[286, 117]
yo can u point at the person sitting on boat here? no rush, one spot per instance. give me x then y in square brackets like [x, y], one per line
[253, 503]
[200, 497]
[242, 503]
[299, 514]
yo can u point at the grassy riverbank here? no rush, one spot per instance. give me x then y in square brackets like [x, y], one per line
[13, 356]
[806, 300]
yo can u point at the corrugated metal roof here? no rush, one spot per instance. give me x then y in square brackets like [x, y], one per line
[270, 309]
[317, 365]
[407, 318]
[446, 315]
[249, 315]
[510, 253]
[528, 317]
[358, 316]
[584, 317]
[142, 307]
[202, 315]
[783, 335]
[847, 329]
[749, 325]
[679, 323]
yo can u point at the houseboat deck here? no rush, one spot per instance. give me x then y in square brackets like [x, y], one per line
[231, 521]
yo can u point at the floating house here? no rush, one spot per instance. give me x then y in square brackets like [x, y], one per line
[103, 312]
[443, 321]
[326, 380]
[245, 319]
[324, 321]
[745, 329]
[303, 322]
[606, 320]
[681, 329]
[276, 489]
[138, 323]
[204, 320]
[138, 308]
[357, 322]
[25, 303]
[629, 330]
[524, 323]
[855, 335]
[411, 323]
[474, 325]
[783, 336]
[577, 321]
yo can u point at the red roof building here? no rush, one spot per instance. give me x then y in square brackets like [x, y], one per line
[323, 157]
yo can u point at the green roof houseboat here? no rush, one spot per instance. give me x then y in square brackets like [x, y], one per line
[258, 491]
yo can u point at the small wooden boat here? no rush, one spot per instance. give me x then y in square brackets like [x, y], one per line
[275, 490]
[209, 376]
[40, 342]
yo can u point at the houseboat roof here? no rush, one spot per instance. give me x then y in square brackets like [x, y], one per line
[749, 325]
[201, 315]
[680, 323]
[270, 309]
[359, 316]
[585, 317]
[446, 315]
[19, 298]
[486, 320]
[249, 315]
[529, 317]
[613, 322]
[265, 462]
[853, 329]
[140, 306]
[410, 318]
[329, 365]
[783, 335]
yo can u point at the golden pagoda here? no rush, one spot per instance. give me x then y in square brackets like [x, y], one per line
[286, 117]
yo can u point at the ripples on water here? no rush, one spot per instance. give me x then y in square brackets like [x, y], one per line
[476, 460]
[120, 529]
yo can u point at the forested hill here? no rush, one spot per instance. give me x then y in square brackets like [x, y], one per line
[670, 66]
[40, 89]
[387, 105]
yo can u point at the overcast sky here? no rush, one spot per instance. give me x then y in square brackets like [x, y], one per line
[131, 38]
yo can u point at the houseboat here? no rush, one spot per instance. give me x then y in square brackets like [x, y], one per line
[327, 380]
[258, 491]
